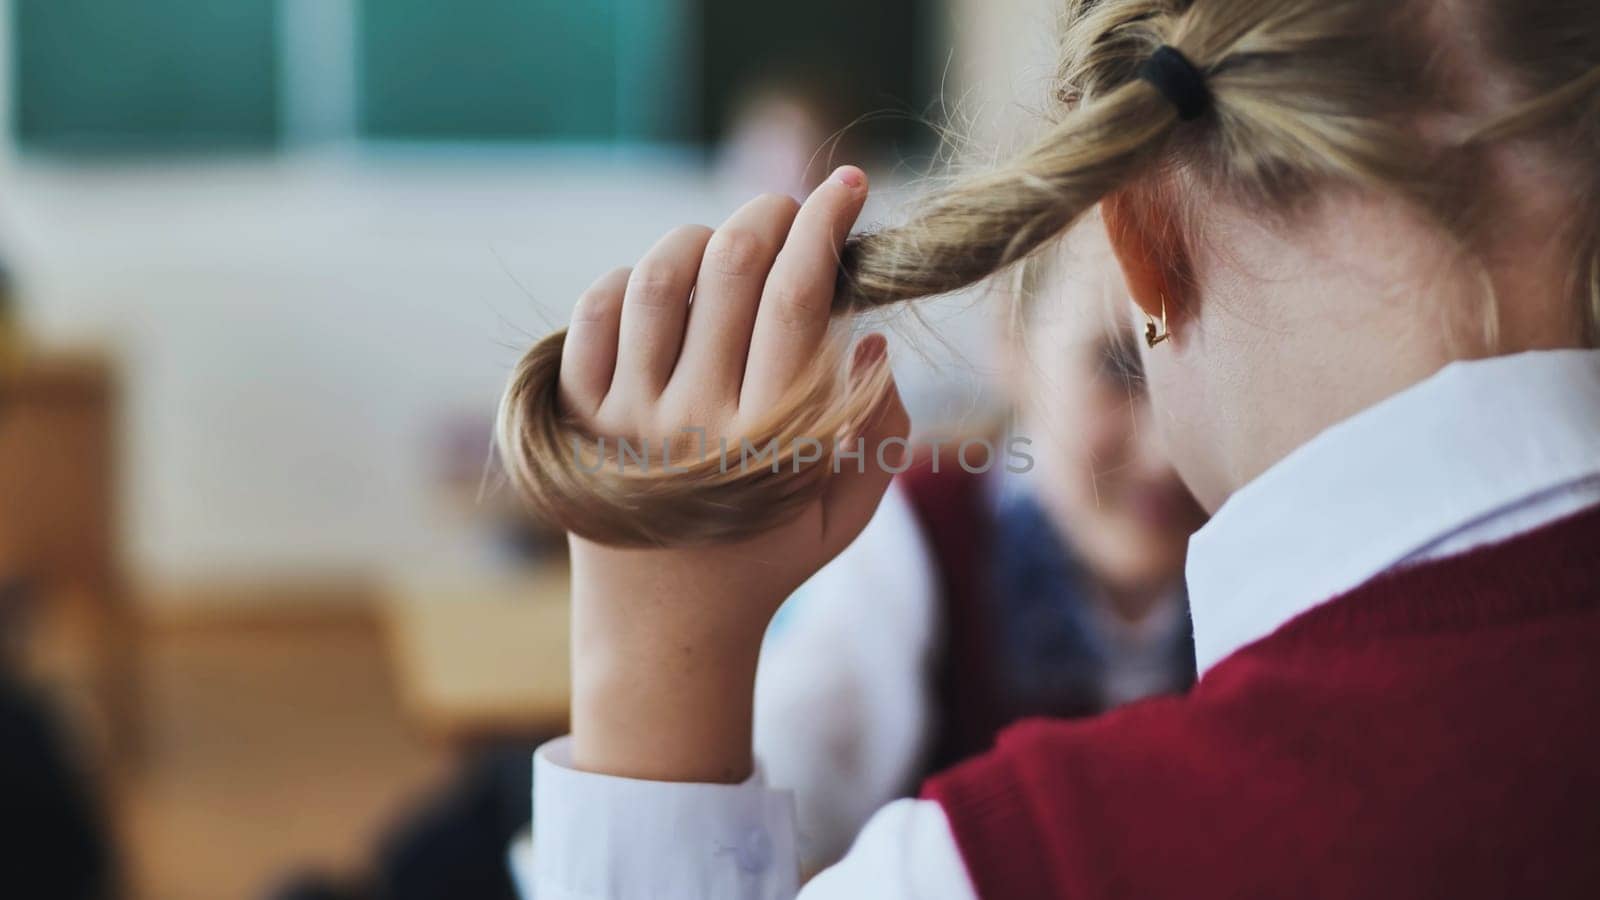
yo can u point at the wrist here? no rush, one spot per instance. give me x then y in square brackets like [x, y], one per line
[663, 671]
[667, 711]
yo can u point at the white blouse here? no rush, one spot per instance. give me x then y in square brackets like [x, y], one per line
[1479, 453]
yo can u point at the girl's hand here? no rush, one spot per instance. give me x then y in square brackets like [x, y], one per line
[665, 641]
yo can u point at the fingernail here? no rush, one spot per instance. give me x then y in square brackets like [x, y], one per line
[850, 176]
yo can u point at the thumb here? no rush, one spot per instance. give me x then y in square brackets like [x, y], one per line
[852, 495]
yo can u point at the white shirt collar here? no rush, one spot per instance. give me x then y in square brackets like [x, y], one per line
[1481, 449]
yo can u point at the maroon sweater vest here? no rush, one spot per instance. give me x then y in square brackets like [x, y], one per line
[1434, 733]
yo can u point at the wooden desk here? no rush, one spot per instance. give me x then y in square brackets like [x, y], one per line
[483, 658]
[58, 519]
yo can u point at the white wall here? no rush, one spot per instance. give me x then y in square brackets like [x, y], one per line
[294, 331]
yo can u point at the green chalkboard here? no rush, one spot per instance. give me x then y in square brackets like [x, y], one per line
[163, 74]
[134, 74]
[528, 69]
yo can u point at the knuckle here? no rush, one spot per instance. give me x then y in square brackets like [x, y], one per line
[594, 310]
[655, 284]
[679, 414]
[780, 203]
[600, 302]
[738, 252]
[794, 310]
[692, 232]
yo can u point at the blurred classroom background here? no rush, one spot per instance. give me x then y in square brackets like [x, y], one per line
[267, 265]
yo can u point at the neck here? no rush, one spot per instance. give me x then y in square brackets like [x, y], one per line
[1305, 328]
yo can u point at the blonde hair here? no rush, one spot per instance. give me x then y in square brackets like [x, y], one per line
[1305, 94]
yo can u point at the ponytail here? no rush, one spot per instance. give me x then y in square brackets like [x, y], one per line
[992, 221]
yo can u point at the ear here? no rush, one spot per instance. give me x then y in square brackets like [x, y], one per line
[1154, 259]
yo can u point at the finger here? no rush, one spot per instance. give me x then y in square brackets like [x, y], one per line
[793, 319]
[726, 297]
[852, 495]
[589, 352]
[653, 311]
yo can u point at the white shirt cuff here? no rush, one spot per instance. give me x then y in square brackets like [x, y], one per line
[600, 836]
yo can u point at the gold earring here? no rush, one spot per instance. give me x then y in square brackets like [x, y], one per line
[1151, 336]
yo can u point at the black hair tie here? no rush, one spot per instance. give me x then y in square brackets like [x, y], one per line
[1179, 81]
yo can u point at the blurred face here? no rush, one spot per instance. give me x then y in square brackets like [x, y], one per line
[1080, 392]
